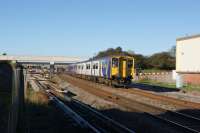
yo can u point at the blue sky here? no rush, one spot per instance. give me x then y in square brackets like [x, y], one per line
[84, 27]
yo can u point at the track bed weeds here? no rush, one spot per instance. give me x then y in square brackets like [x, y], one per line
[41, 115]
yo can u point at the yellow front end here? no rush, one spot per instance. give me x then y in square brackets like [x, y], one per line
[122, 68]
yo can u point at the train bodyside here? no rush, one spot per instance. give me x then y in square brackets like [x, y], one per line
[117, 69]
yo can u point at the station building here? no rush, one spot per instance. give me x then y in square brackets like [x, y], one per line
[188, 59]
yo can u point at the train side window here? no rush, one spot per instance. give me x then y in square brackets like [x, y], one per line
[93, 66]
[130, 63]
[115, 62]
[88, 66]
[96, 66]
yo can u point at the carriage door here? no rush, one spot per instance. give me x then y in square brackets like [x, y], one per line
[93, 69]
[123, 68]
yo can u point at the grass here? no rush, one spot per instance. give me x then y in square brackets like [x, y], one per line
[153, 71]
[189, 87]
[37, 112]
[38, 98]
[186, 87]
[42, 116]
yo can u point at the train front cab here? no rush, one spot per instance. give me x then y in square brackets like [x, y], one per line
[122, 69]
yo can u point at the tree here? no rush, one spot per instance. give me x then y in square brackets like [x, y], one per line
[162, 61]
[140, 61]
[131, 52]
[4, 54]
[172, 51]
[118, 50]
[110, 51]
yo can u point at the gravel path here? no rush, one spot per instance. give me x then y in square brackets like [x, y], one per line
[190, 96]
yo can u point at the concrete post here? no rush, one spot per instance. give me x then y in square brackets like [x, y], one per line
[179, 81]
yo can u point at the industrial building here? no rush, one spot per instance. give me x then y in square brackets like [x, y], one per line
[188, 59]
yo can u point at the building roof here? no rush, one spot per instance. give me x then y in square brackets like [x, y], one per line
[188, 37]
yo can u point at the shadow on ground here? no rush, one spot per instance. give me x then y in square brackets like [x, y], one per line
[51, 120]
[40, 118]
[153, 88]
[48, 119]
[143, 123]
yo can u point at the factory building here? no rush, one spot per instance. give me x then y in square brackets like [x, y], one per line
[188, 59]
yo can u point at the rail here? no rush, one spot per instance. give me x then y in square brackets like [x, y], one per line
[83, 123]
[97, 120]
[181, 121]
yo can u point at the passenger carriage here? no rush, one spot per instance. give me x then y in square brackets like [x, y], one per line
[112, 70]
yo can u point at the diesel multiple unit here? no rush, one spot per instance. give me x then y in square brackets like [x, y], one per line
[110, 70]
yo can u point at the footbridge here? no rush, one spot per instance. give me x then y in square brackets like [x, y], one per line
[60, 60]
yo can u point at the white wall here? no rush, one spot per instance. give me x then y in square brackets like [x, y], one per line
[188, 55]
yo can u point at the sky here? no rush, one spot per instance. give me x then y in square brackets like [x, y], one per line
[83, 27]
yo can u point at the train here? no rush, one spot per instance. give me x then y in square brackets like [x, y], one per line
[111, 70]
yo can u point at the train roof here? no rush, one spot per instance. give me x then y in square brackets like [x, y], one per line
[111, 56]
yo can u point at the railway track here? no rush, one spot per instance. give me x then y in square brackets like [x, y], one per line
[72, 117]
[184, 122]
[100, 121]
[182, 103]
[181, 121]
[87, 117]
[69, 112]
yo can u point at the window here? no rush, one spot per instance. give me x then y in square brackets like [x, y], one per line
[93, 66]
[88, 66]
[130, 63]
[115, 62]
[96, 65]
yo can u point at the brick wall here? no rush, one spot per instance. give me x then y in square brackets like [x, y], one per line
[192, 78]
[160, 77]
